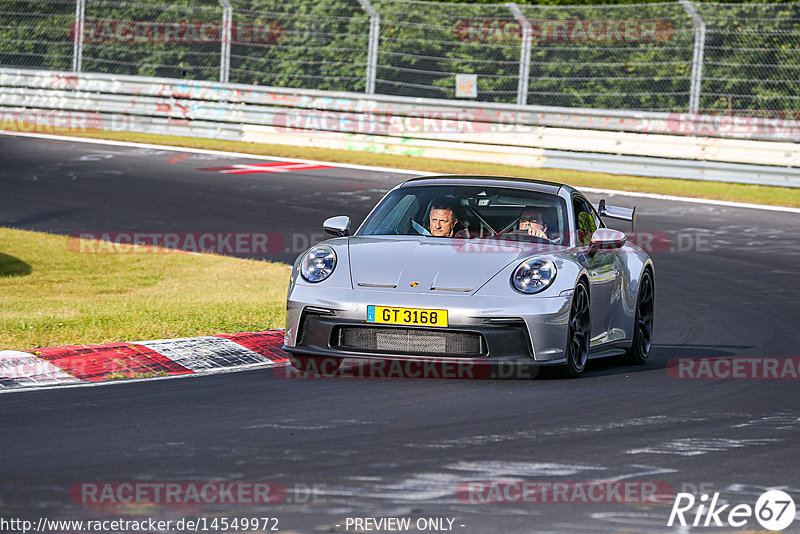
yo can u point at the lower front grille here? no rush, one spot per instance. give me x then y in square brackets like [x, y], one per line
[385, 340]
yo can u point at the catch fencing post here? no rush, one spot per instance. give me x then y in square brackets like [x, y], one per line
[77, 47]
[524, 53]
[372, 52]
[225, 52]
[697, 59]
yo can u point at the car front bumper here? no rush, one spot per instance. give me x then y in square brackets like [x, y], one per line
[332, 322]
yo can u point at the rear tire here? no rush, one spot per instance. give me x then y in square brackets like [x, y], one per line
[579, 330]
[315, 365]
[643, 321]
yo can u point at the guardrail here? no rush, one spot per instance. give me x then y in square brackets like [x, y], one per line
[736, 149]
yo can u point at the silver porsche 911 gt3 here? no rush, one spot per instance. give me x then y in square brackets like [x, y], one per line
[449, 268]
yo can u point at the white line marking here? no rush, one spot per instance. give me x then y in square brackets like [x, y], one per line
[699, 446]
[384, 169]
[220, 371]
[690, 199]
[501, 470]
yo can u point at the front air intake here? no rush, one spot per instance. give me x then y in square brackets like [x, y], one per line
[393, 341]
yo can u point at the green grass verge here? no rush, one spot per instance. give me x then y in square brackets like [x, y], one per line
[779, 196]
[54, 295]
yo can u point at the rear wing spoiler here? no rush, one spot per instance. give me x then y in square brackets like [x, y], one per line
[617, 212]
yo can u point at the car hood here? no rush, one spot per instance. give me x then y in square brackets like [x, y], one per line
[436, 265]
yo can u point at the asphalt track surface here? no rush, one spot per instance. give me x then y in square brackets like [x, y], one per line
[728, 284]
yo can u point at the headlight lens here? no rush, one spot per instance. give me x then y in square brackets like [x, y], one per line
[318, 263]
[533, 275]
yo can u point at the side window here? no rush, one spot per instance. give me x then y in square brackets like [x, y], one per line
[586, 221]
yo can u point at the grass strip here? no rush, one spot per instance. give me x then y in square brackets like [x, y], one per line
[52, 294]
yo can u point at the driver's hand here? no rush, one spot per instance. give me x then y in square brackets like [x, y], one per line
[537, 233]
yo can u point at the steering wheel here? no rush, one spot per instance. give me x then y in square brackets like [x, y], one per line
[523, 233]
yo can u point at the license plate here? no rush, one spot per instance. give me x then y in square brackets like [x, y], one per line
[406, 316]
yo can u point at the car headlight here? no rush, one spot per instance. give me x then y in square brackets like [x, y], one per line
[533, 275]
[318, 263]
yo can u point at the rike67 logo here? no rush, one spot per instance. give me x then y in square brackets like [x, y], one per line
[774, 510]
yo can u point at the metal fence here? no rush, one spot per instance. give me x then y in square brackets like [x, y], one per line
[674, 57]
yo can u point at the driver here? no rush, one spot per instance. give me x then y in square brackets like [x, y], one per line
[532, 222]
[443, 218]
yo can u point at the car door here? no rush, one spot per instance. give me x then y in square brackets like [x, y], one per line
[602, 268]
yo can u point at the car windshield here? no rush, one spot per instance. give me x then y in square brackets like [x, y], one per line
[470, 212]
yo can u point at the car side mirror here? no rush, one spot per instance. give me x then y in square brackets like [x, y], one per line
[606, 238]
[338, 226]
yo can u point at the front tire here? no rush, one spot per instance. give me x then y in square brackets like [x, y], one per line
[315, 365]
[643, 322]
[579, 330]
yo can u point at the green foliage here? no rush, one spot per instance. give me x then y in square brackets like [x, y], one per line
[752, 57]
[319, 44]
[37, 35]
[595, 53]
